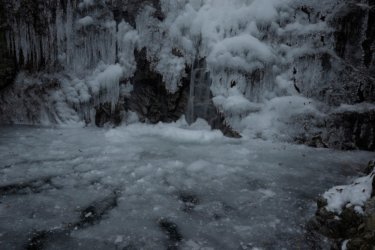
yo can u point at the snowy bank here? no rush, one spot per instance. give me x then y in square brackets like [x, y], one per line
[353, 195]
[346, 214]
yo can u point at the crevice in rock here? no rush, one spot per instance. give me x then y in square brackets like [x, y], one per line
[150, 99]
[220, 123]
[368, 44]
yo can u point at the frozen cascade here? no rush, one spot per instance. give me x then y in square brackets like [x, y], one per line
[66, 40]
[233, 48]
[200, 93]
[259, 55]
[107, 85]
[81, 42]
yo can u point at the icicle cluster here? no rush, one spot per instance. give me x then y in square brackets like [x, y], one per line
[250, 49]
[77, 43]
[81, 39]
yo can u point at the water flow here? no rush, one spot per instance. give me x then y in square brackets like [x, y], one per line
[199, 97]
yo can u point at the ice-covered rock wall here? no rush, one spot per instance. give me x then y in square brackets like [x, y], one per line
[271, 69]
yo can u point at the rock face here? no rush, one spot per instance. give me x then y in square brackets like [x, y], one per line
[351, 130]
[353, 83]
[8, 67]
[128, 9]
[345, 130]
[355, 40]
[355, 35]
[354, 43]
[350, 228]
[149, 99]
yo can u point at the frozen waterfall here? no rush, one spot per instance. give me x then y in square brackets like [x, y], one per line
[266, 63]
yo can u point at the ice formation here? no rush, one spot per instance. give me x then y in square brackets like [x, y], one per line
[252, 54]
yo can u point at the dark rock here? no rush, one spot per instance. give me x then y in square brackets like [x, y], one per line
[172, 232]
[340, 81]
[33, 186]
[37, 240]
[8, 67]
[24, 104]
[351, 130]
[317, 142]
[128, 9]
[357, 230]
[93, 213]
[220, 123]
[321, 202]
[337, 226]
[347, 130]
[347, 34]
[355, 35]
[332, 229]
[347, 74]
[351, 220]
[177, 52]
[150, 99]
[370, 206]
[360, 244]
[105, 115]
[189, 200]
[370, 167]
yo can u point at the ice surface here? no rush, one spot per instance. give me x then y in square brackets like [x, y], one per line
[149, 187]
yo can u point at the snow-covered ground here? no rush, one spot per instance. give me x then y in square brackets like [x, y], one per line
[153, 187]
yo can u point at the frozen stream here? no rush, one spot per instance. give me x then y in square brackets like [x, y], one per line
[159, 187]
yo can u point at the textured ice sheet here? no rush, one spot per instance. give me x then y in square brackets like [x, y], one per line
[153, 187]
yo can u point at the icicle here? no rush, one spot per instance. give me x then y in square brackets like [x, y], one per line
[190, 108]
[106, 85]
[60, 33]
[199, 96]
[69, 35]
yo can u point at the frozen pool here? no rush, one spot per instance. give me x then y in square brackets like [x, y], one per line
[159, 187]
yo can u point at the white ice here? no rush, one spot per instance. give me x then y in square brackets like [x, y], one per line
[353, 195]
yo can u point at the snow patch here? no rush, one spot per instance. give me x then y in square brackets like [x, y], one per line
[179, 131]
[86, 21]
[355, 194]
